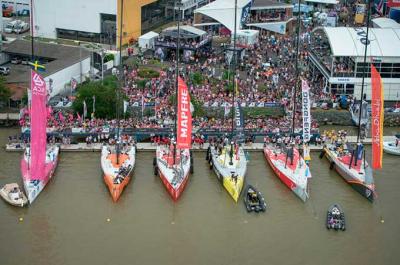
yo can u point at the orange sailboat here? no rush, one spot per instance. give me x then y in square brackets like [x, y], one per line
[117, 172]
[118, 161]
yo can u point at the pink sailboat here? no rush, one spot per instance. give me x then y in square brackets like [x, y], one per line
[39, 161]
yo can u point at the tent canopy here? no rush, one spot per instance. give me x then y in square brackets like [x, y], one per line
[345, 41]
[223, 11]
[328, 2]
[384, 22]
[185, 32]
[149, 35]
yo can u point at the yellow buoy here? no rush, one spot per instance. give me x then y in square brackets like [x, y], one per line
[21, 219]
[382, 221]
[108, 219]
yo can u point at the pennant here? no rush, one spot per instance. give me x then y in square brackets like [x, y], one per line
[94, 104]
[306, 110]
[84, 110]
[376, 118]
[184, 119]
[37, 67]
[38, 127]
[125, 106]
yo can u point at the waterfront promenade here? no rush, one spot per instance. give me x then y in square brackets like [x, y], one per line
[96, 147]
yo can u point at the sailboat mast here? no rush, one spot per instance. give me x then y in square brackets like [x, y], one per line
[234, 73]
[364, 72]
[32, 34]
[178, 3]
[121, 75]
[297, 70]
[233, 83]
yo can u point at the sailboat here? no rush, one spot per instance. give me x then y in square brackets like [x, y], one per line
[348, 160]
[229, 161]
[286, 161]
[118, 161]
[39, 161]
[174, 162]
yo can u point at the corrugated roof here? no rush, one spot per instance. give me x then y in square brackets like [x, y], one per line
[63, 56]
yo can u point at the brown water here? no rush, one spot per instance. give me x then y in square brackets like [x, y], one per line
[67, 224]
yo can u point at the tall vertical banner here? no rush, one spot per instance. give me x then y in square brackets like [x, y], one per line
[184, 126]
[377, 118]
[38, 126]
[239, 122]
[306, 110]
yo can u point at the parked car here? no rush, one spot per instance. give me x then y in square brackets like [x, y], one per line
[4, 70]
[25, 61]
[10, 26]
[16, 60]
[21, 27]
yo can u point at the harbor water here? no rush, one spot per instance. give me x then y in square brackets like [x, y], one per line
[74, 220]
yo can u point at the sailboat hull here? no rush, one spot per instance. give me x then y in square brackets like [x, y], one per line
[283, 173]
[117, 175]
[224, 171]
[366, 189]
[34, 187]
[174, 177]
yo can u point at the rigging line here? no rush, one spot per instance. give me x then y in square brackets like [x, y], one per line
[364, 71]
[178, 3]
[297, 70]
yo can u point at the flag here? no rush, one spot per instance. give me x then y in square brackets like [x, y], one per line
[305, 94]
[142, 105]
[94, 104]
[125, 106]
[184, 119]
[37, 67]
[29, 98]
[84, 110]
[74, 83]
[61, 117]
[227, 109]
[236, 87]
[38, 127]
[376, 118]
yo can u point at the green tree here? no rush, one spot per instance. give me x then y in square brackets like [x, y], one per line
[5, 92]
[106, 98]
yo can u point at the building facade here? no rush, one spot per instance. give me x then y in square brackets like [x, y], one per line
[96, 20]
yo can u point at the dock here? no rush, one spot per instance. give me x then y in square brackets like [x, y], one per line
[150, 147]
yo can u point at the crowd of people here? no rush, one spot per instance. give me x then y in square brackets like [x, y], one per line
[264, 75]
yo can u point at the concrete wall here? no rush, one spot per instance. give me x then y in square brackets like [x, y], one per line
[62, 78]
[72, 14]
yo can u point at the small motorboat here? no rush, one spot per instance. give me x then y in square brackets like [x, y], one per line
[392, 148]
[335, 218]
[253, 200]
[12, 194]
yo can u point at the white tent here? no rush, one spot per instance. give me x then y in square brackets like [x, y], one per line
[327, 2]
[345, 41]
[223, 11]
[247, 37]
[146, 41]
[384, 22]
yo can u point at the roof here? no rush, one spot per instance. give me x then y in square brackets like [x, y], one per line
[346, 41]
[189, 31]
[384, 22]
[329, 2]
[268, 4]
[149, 35]
[62, 55]
[224, 12]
